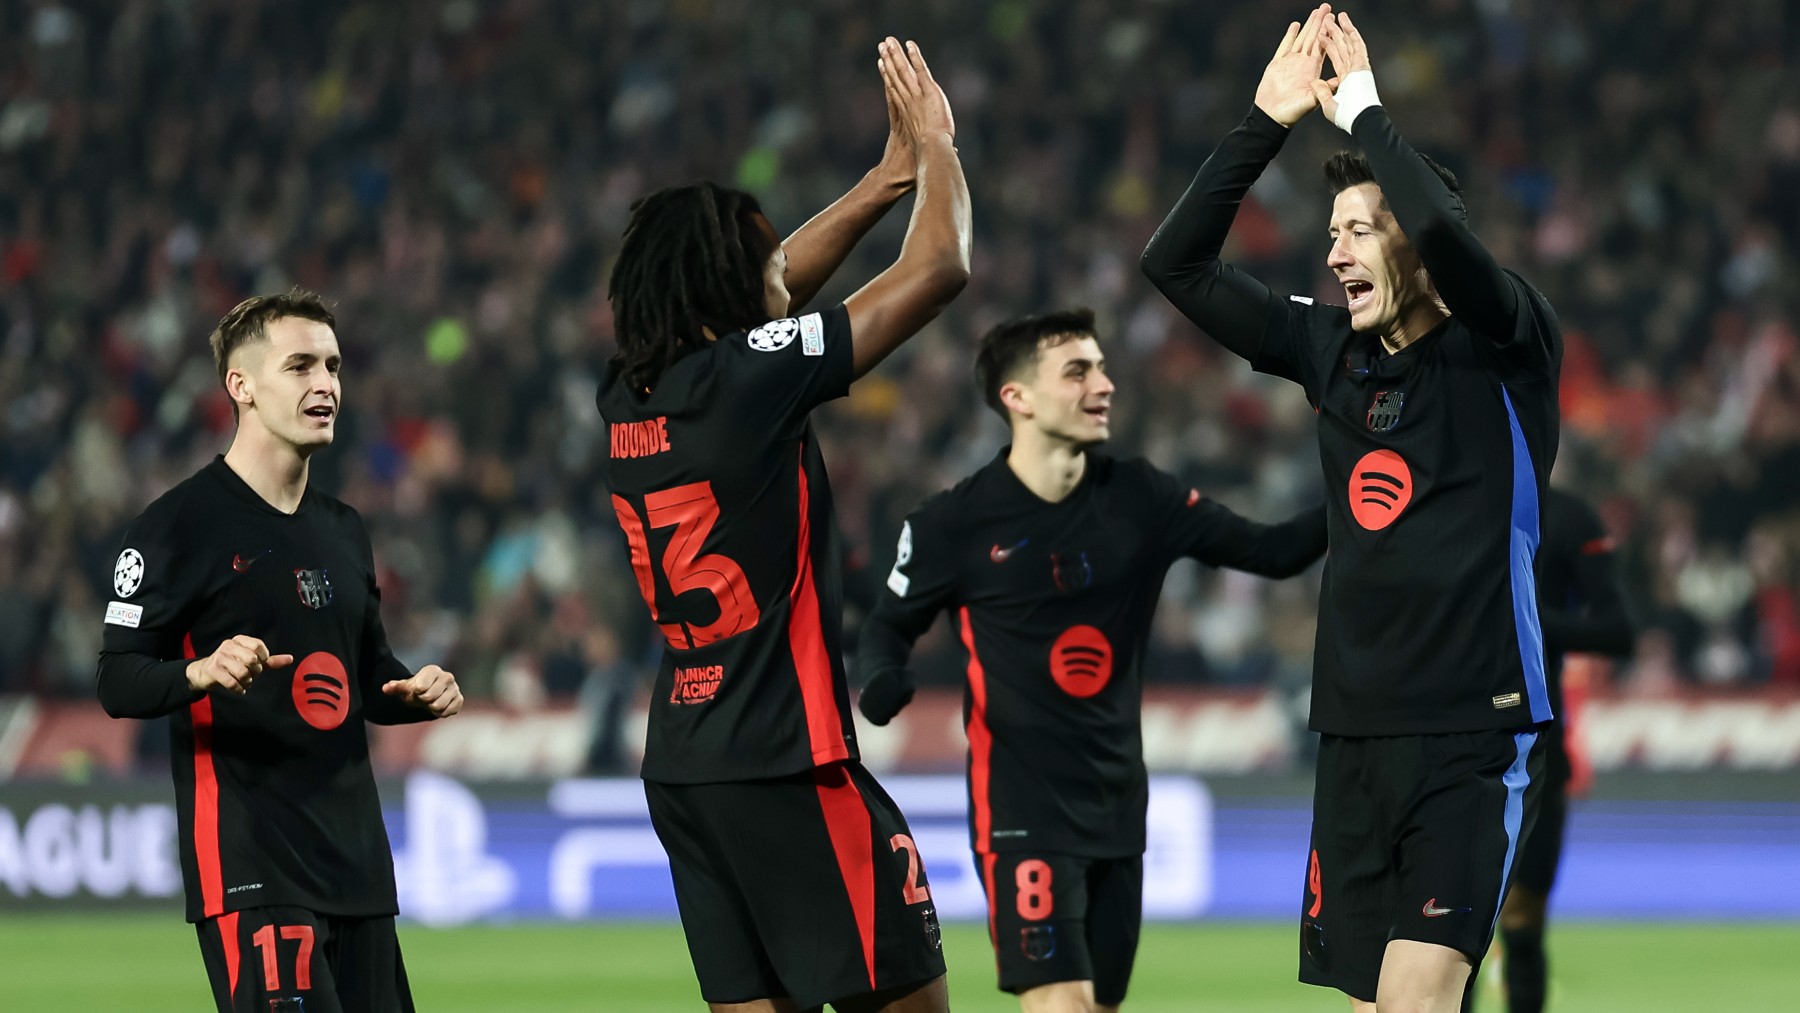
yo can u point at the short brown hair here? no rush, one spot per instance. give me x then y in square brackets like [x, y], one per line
[249, 321]
[1013, 346]
[1351, 168]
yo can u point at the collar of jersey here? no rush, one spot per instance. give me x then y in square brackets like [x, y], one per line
[1022, 491]
[235, 484]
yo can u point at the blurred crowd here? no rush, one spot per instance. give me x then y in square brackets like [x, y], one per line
[454, 174]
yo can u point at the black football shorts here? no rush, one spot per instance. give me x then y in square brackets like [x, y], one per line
[807, 886]
[1056, 917]
[1413, 837]
[290, 960]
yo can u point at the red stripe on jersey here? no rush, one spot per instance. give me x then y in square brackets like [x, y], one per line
[847, 823]
[228, 937]
[1597, 546]
[206, 801]
[806, 639]
[981, 741]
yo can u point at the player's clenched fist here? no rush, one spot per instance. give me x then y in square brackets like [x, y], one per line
[432, 689]
[235, 664]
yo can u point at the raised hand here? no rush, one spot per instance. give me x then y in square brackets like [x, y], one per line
[898, 163]
[431, 689]
[234, 666]
[1286, 92]
[1344, 45]
[1349, 55]
[915, 94]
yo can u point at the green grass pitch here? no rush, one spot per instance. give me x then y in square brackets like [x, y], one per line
[149, 964]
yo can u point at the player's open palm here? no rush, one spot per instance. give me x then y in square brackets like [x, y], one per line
[1344, 45]
[234, 666]
[431, 689]
[915, 93]
[1286, 92]
[899, 166]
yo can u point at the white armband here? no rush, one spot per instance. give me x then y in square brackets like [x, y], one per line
[1355, 93]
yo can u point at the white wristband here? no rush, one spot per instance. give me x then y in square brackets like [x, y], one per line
[1355, 93]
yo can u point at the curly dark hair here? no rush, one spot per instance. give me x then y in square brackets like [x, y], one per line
[692, 258]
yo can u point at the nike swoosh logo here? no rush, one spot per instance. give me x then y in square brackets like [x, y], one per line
[1431, 910]
[240, 564]
[999, 555]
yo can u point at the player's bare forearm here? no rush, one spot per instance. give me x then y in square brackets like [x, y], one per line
[942, 230]
[1182, 258]
[1465, 274]
[140, 686]
[817, 249]
[933, 266]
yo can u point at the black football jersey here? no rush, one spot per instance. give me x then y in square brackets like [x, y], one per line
[274, 790]
[1053, 604]
[718, 483]
[1436, 463]
[1436, 458]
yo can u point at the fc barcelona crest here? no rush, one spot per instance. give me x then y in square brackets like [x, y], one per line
[314, 587]
[1384, 413]
[1071, 571]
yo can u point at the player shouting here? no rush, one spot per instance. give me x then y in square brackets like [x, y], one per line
[1436, 398]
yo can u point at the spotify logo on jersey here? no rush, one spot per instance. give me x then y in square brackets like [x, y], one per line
[1380, 487]
[1081, 661]
[321, 690]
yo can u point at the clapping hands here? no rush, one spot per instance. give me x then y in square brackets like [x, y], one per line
[1293, 83]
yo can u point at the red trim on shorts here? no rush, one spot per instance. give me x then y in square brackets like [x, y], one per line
[981, 741]
[1315, 882]
[206, 801]
[806, 639]
[847, 823]
[228, 936]
[988, 859]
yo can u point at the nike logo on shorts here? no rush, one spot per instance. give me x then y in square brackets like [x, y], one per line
[1431, 910]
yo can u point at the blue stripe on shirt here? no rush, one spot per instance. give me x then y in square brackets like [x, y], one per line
[1522, 550]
